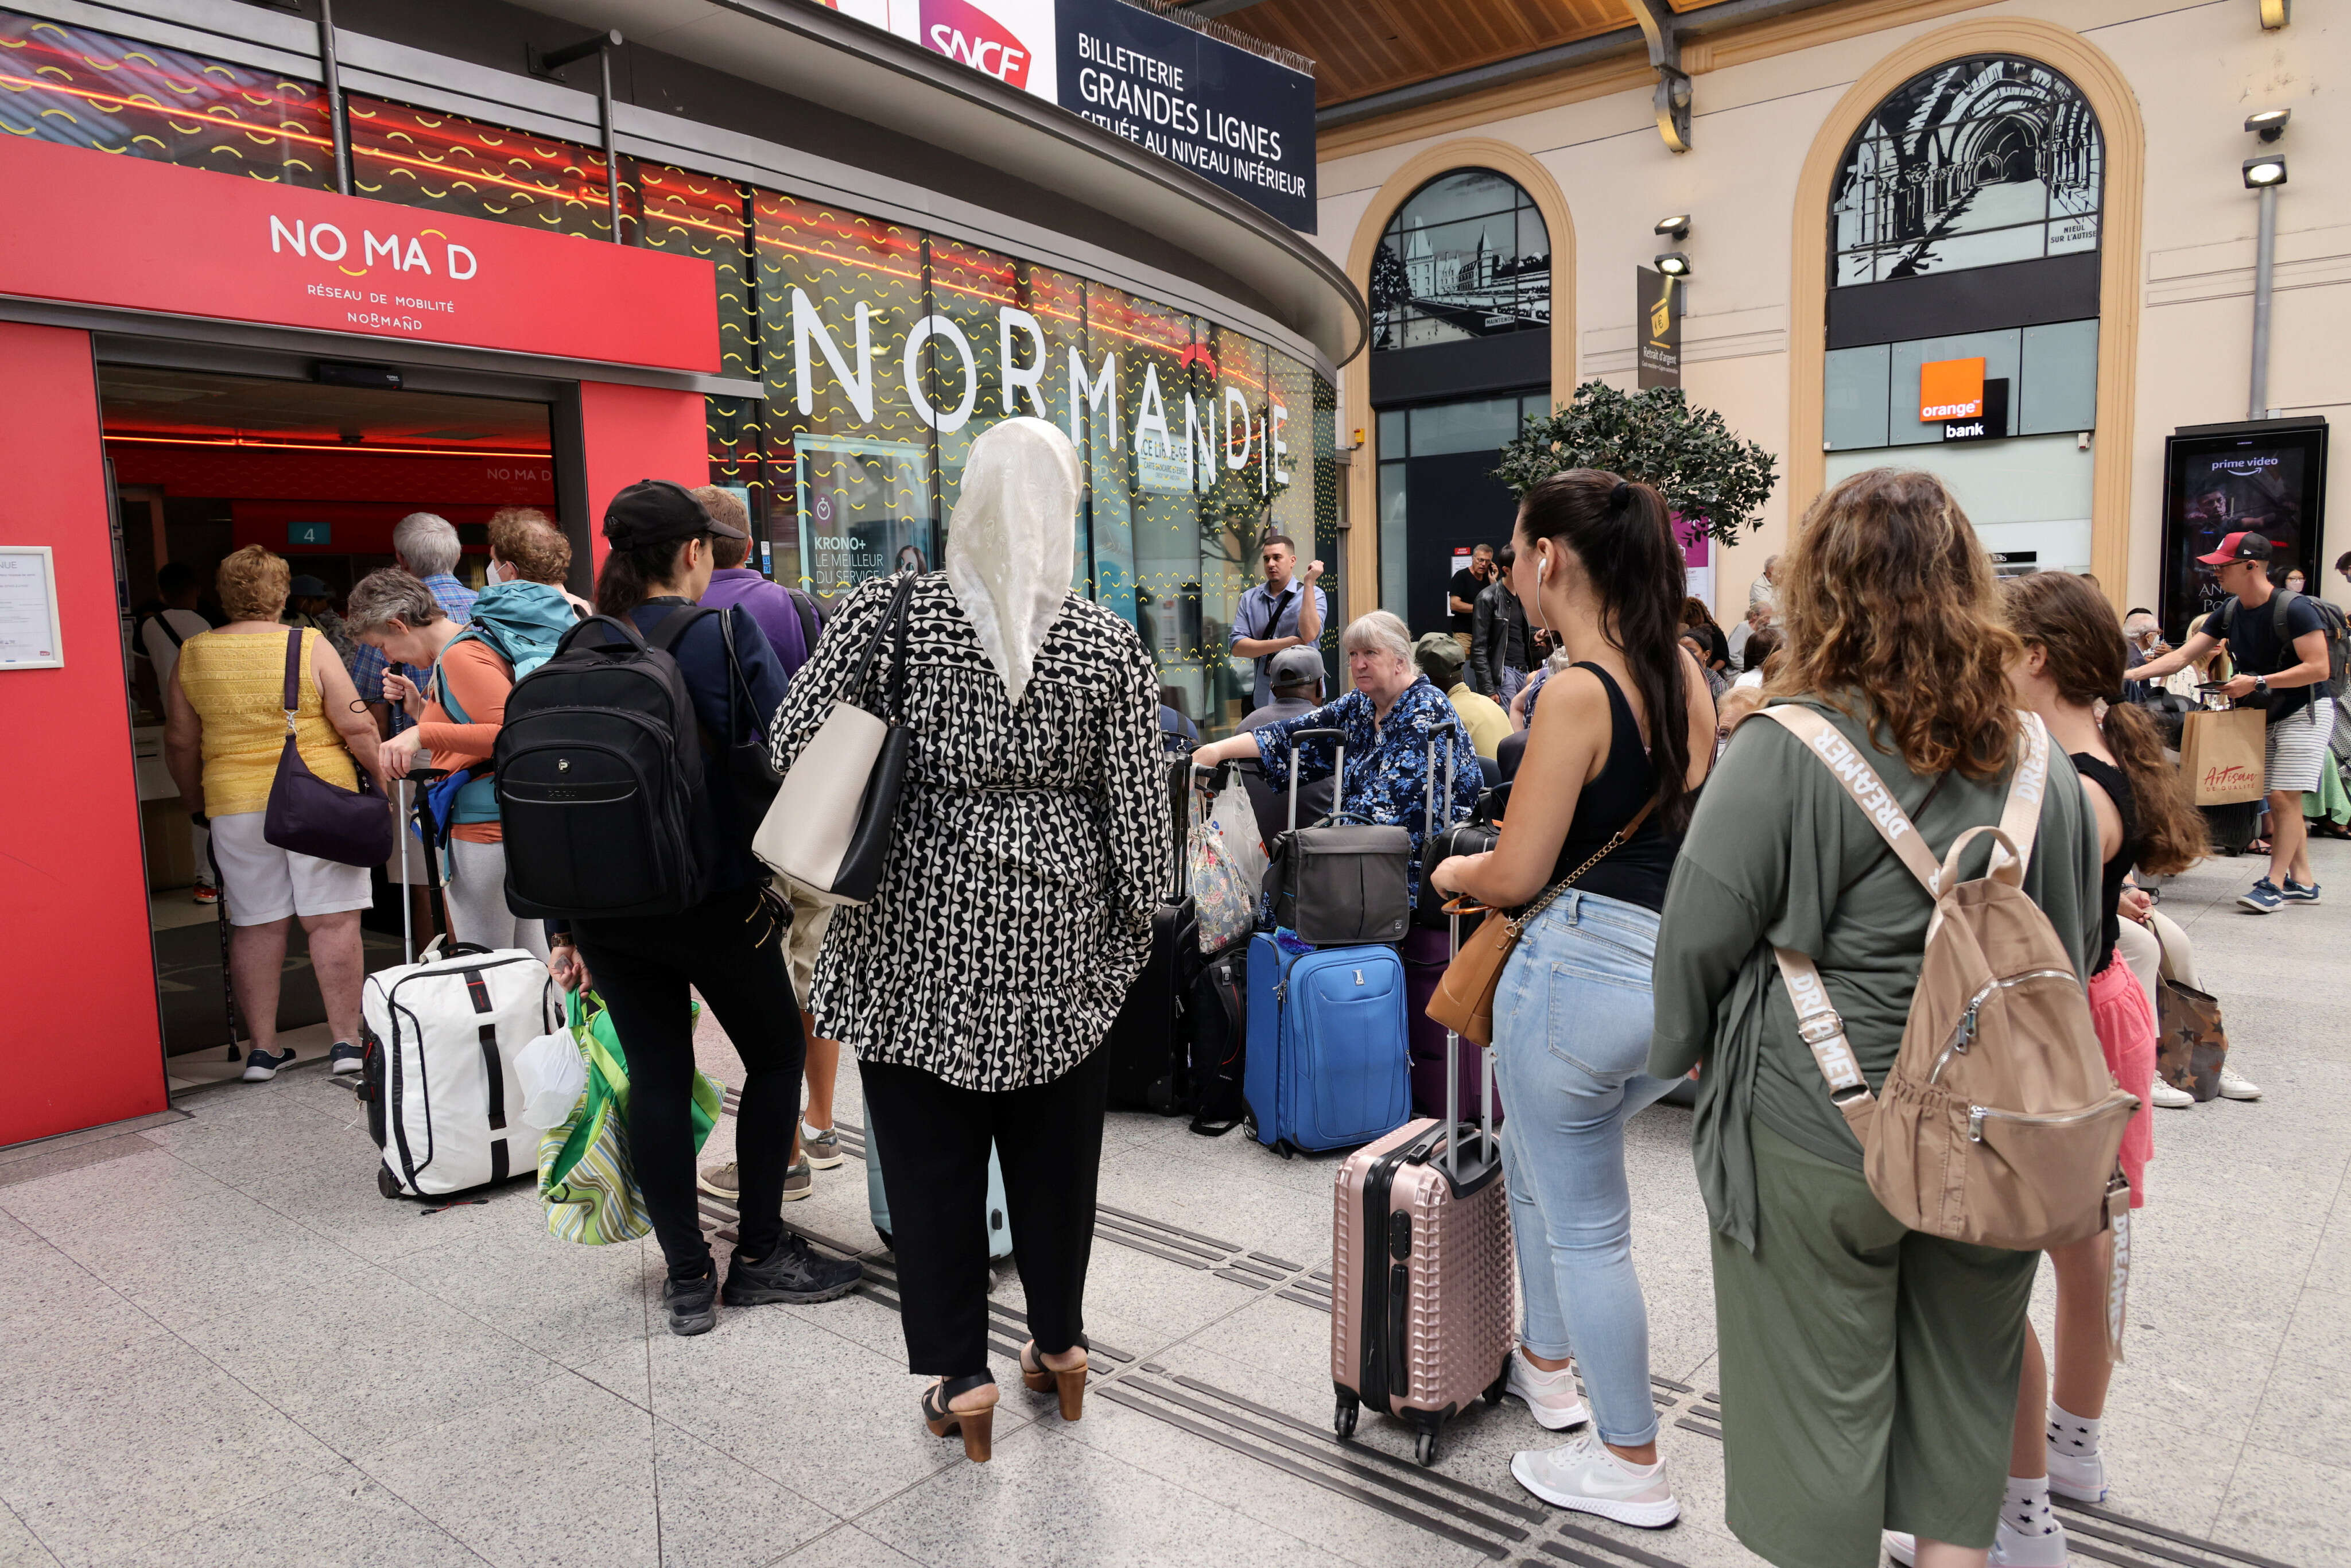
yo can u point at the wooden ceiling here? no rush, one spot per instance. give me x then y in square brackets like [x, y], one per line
[1365, 46]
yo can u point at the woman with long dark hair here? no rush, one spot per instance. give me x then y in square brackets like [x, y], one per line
[1868, 1371]
[2070, 672]
[1597, 816]
[729, 947]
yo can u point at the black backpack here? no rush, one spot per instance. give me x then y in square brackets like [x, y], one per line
[2331, 621]
[599, 772]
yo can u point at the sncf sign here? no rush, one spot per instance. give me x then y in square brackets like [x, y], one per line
[962, 31]
[233, 250]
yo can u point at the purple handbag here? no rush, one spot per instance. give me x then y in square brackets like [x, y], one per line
[309, 816]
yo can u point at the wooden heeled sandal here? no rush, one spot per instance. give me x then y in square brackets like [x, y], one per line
[1070, 1382]
[979, 1427]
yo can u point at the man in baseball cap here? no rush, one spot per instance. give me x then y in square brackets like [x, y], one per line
[2277, 640]
[1440, 656]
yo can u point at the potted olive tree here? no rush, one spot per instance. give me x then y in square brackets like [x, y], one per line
[1715, 483]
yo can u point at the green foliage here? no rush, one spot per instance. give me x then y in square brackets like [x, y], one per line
[1705, 473]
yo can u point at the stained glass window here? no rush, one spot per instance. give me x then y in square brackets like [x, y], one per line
[1467, 256]
[87, 88]
[1977, 161]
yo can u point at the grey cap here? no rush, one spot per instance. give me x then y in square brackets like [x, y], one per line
[1294, 667]
[307, 587]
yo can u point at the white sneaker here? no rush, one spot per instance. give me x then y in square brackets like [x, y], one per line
[2169, 1098]
[1901, 1546]
[2081, 1477]
[1582, 1474]
[1550, 1396]
[2012, 1548]
[2235, 1088]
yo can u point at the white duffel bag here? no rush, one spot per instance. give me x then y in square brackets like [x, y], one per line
[441, 1038]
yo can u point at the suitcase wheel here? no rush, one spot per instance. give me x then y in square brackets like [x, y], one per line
[1501, 1381]
[1343, 1421]
[386, 1183]
[1424, 1448]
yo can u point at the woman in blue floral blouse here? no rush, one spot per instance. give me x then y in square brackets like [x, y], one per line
[1390, 721]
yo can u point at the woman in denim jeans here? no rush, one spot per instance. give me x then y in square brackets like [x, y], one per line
[1595, 817]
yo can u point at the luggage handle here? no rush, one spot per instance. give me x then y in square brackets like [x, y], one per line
[1454, 909]
[1430, 826]
[1338, 771]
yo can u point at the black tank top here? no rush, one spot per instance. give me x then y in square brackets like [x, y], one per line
[2111, 779]
[1637, 870]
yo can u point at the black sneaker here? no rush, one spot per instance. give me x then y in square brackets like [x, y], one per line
[693, 1304]
[794, 1272]
[261, 1066]
[344, 1058]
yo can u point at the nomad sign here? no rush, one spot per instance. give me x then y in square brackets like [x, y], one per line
[233, 250]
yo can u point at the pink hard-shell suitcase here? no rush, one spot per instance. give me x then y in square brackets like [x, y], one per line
[1422, 1318]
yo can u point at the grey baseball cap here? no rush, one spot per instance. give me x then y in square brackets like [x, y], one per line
[1294, 667]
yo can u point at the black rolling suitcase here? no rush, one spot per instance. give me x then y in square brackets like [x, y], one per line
[1146, 1041]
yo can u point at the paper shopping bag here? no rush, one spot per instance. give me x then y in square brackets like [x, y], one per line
[2222, 754]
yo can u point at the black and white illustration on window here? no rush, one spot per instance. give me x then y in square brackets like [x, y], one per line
[1468, 256]
[1975, 162]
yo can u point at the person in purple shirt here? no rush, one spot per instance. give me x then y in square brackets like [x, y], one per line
[770, 604]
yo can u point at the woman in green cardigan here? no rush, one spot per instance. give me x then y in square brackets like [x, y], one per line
[1869, 1371]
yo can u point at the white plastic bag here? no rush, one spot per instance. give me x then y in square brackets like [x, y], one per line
[1234, 820]
[554, 1075]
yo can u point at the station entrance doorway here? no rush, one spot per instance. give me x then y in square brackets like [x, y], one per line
[204, 463]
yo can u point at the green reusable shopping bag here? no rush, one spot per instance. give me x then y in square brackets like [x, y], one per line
[584, 1175]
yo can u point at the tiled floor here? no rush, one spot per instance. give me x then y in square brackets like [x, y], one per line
[218, 1346]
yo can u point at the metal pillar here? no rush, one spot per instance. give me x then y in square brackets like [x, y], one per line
[551, 64]
[338, 123]
[2264, 265]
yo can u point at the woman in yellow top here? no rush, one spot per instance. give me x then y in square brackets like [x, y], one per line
[223, 729]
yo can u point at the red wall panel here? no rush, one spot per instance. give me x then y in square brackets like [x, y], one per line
[411, 481]
[638, 433]
[79, 1040]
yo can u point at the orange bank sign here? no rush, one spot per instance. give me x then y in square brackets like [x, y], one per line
[236, 250]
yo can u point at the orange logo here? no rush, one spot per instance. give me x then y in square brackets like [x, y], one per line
[1952, 389]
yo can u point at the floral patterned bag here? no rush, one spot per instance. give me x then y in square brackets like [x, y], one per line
[1223, 900]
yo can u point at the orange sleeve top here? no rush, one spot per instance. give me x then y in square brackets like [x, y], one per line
[479, 680]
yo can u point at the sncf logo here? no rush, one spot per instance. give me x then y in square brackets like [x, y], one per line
[964, 32]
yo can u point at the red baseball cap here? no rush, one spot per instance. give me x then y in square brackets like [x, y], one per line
[2239, 547]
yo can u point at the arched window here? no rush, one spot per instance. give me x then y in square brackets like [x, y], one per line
[1963, 232]
[1974, 164]
[1467, 256]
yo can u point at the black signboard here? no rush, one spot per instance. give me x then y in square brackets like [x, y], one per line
[1991, 425]
[2265, 477]
[1657, 326]
[1235, 119]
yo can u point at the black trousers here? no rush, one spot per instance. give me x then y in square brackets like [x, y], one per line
[730, 949]
[936, 1138]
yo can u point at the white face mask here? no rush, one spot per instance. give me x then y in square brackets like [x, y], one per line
[499, 572]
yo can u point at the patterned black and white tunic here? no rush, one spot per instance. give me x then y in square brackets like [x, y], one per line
[1028, 854]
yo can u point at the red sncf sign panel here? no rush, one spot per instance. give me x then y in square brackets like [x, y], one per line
[222, 246]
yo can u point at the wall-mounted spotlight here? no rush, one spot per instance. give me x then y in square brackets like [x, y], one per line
[2270, 123]
[2267, 169]
[1677, 228]
[1674, 264]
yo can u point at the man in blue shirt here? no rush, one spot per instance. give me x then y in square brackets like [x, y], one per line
[426, 547]
[1285, 611]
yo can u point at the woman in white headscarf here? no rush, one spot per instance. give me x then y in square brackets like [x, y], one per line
[1014, 913]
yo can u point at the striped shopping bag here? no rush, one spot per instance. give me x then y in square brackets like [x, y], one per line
[585, 1177]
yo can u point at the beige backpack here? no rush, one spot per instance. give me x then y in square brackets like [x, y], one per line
[1999, 1122]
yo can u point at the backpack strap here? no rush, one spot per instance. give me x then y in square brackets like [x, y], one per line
[1846, 765]
[811, 624]
[674, 625]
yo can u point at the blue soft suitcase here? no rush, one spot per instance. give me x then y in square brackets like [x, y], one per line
[1329, 1063]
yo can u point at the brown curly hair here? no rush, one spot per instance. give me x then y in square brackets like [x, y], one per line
[252, 584]
[1889, 598]
[2074, 627]
[526, 539]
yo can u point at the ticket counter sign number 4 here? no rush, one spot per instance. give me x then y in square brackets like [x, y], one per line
[1235, 118]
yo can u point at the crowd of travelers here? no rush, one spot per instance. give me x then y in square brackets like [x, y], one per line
[1881, 1386]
